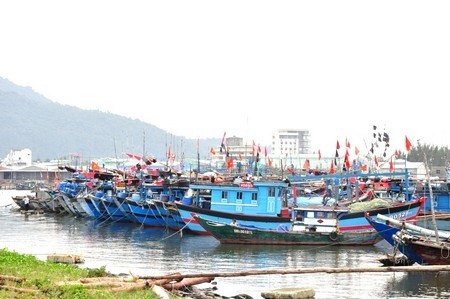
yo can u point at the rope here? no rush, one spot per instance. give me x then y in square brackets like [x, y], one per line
[180, 231]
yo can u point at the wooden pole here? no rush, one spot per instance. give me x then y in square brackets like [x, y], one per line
[419, 268]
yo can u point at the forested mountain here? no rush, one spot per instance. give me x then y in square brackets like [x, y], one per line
[54, 131]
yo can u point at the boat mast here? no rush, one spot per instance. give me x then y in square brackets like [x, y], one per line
[433, 218]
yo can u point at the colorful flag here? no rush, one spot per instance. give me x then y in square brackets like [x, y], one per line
[408, 144]
[230, 163]
[306, 164]
[347, 162]
[95, 166]
[332, 167]
[337, 145]
[134, 156]
[347, 143]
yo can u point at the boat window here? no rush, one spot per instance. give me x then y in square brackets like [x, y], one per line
[254, 196]
[239, 195]
[224, 194]
[272, 191]
[321, 214]
[331, 216]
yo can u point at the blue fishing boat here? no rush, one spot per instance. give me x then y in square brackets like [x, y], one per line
[387, 231]
[253, 203]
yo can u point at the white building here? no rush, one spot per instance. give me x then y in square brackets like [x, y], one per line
[18, 158]
[291, 143]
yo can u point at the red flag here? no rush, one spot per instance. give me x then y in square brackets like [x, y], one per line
[265, 151]
[212, 151]
[332, 167]
[347, 162]
[259, 149]
[356, 151]
[230, 163]
[391, 166]
[320, 155]
[375, 160]
[134, 156]
[95, 166]
[347, 143]
[408, 144]
[337, 145]
[270, 163]
[396, 153]
[306, 164]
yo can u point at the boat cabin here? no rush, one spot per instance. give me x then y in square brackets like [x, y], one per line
[318, 219]
[267, 198]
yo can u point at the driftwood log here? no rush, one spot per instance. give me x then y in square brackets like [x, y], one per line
[170, 282]
[11, 278]
[17, 290]
[437, 268]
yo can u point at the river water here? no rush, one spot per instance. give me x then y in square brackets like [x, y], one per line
[125, 248]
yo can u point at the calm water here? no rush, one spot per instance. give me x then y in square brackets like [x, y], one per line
[122, 248]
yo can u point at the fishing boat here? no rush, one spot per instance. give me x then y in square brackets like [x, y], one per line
[433, 250]
[265, 204]
[425, 246]
[253, 203]
[386, 229]
[297, 234]
[432, 245]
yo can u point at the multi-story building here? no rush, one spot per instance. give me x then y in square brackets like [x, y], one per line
[291, 142]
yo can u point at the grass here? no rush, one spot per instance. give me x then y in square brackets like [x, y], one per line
[45, 279]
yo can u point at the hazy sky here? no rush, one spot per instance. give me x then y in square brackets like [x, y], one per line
[202, 68]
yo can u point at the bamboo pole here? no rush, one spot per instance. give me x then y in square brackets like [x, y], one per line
[419, 268]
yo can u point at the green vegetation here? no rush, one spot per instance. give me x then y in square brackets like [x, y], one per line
[44, 279]
[436, 156]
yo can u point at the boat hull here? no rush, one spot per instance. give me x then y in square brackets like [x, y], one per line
[229, 234]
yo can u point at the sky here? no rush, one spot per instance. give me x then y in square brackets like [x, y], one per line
[248, 68]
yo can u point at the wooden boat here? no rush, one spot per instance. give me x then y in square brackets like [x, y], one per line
[237, 234]
[253, 203]
[430, 246]
[264, 204]
[434, 251]
[386, 230]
